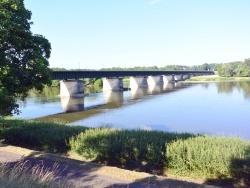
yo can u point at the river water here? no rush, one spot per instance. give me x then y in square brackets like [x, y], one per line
[221, 108]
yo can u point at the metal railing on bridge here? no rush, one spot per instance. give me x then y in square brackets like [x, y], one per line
[64, 75]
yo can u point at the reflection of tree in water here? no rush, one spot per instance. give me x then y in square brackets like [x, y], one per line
[245, 86]
[48, 94]
[92, 89]
[228, 87]
[225, 87]
[206, 85]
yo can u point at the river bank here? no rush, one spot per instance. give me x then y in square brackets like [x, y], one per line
[216, 78]
[190, 156]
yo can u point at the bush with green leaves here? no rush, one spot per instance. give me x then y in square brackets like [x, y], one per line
[209, 157]
[8, 103]
[39, 135]
[98, 82]
[133, 149]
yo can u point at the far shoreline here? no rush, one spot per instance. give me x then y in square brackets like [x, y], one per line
[215, 78]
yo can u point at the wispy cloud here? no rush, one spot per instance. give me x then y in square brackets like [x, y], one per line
[152, 2]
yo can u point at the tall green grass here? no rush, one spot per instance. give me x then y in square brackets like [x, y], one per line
[39, 135]
[189, 155]
[133, 149]
[209, 157]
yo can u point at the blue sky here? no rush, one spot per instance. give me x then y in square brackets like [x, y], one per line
[98, 34]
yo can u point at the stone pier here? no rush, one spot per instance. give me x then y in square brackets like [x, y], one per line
[168, 78]
[155, 80]
[169, 86]
[112, 84]
[71, 88]
[136, 82]
[186, 76]
[178, 77]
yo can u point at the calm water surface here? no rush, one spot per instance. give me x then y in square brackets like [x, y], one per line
[211, 108]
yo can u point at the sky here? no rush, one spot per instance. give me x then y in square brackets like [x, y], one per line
[97, 34]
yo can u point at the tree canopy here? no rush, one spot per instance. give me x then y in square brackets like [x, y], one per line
[23, 55]
[237, 68]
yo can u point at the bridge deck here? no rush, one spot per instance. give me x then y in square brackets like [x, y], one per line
[63, 75]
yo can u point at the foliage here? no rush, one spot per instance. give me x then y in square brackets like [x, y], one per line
[55, 83]
[23, 175]
[237, 68]
[23, 56]
[39, 135]
[89, 81]
[207, 156]
[58, 69]
[8, 103]
[50, 93]
[98, 82]
[205, 66]
[240, 169]
[133, 149]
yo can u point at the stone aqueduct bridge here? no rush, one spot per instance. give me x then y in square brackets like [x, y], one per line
[70, 85]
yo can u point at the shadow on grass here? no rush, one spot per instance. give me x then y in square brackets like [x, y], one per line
[160, 182]
[240, 173]
[81, 174]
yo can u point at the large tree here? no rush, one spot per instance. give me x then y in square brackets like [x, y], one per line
[23, 55]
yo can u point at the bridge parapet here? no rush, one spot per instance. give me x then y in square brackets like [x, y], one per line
[64, 75]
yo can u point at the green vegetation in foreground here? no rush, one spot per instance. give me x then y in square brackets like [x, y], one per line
[214, 159]
[22, 176]
[47, 136]
[216, 78]
[210, 157]
[132, 149]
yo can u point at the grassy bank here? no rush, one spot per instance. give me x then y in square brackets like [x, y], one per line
[216, 78]
[46, 136]
[214, 159]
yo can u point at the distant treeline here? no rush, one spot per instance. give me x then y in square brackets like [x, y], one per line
[167, 67]
[152, 68]
[232, 69]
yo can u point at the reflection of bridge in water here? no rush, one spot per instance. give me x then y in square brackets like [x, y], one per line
[74, 109]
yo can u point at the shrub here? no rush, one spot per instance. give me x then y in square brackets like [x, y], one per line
[98, 82]
[206, 156]
[133, 149]
[40, 135]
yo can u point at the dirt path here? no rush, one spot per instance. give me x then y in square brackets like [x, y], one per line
[90, 175]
